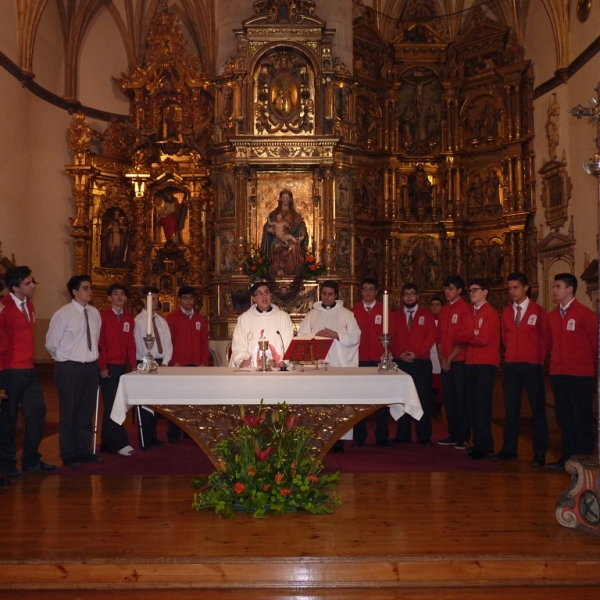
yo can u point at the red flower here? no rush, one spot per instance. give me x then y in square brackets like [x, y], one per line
[250, 471]
[254, 421]
[260, 261]
[313, 478]
[290, 421]
[312, 267]
[253, 268]
[279, 478]
[266, 487]
[285, 491]
[262, 455]
[239, 487]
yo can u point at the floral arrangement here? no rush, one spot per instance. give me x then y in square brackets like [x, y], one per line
[310, 267]
[267, 466]
[256, 263]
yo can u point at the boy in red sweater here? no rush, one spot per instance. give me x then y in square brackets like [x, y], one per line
[116, 353]
[455, 328]
[19, 379]
[525, 337]
[413, 333]
[481, 365]
[369, 316]
[574, 351]
[189, 334]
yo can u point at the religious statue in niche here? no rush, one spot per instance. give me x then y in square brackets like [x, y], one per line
[477, 258]
[343, 195]
[475, 190]
[227, 251]
[284, 99]
[227, 194]
[341, 102]
[481, 120]
[492, 188]
[171, 214]
[420, 105]
[512, 52]
[370, 258]
[115, 239]
[495, 256]
[367, 121]
[365, 194]
[419, 193]
[170, 101]
[285, 238]
[421, 261]
[343, 252]
[552, 121]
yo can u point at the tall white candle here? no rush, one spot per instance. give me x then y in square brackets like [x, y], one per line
[149, 328]
[386, 309]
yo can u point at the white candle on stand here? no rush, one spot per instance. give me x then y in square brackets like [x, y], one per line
[149, 328]
[386, 308]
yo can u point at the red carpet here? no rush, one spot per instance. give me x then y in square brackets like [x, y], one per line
[186, 458]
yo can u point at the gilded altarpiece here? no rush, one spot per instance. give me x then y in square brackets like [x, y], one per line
[142, 186]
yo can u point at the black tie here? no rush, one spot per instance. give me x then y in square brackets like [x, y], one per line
[87, 329]
[563, 312]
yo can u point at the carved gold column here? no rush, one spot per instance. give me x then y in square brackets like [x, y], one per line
[509, 111]
[241, 202]
[327, 212]
[139, 254]
[197, 233]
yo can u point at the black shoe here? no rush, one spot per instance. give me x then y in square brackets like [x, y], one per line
[539, 460]
[71, 463]
[384, 444]
[449, 441]
[156, 443]
[338, 447]
[400, 441]
[358, 443]
[425, 442]
[173, 440]
[106, 449]
[4, 482]
[476, 454]
[559, 465]
[145, 448]
[502, 455]
[12, 473]
[91, 459]
[41, 467]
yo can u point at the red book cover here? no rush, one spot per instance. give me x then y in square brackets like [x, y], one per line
[308, 349]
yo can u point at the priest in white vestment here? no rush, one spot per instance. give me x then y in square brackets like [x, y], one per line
[329, 318]
[263, 320]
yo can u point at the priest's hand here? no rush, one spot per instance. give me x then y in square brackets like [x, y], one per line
[328, 333]
[245, 363]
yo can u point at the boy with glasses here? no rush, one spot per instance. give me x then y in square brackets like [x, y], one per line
[481, 365]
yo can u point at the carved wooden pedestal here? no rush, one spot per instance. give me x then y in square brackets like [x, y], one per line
[208, 425]
[579, 506]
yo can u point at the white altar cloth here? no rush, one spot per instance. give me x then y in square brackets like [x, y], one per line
[225, 385]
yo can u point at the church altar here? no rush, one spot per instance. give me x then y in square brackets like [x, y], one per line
[204, 401]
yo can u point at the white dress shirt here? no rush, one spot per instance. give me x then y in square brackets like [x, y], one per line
[20, 306]
[163, 332]
[67, 335]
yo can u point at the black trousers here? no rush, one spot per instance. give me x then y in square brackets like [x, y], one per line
[515, 377]
[480, 395]
[454, 392]
[382, 430]
[77, 385]
[421, 372]
[174, 431]
[147, 428]
[114, 437]
[23, 388]
[573, 399]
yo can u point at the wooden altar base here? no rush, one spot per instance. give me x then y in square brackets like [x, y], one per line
[397, 535]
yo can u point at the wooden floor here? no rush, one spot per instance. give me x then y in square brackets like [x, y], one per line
[403, 535]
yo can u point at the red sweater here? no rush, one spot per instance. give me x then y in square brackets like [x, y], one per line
[574, 341]
[19, 334]
[419, 339]
[190, 339]
[371, 329]
[484, 348]
[454, 327]
[117, 341]
[529, 343]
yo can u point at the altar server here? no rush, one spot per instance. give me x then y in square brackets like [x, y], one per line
[328, 318]
[117, 352]
[189, 335]
[162, 350]
[72, 340]
[413, 334]
[18, 378]
[574, 351]
[263, 320]
[525, 337]
[369, 316]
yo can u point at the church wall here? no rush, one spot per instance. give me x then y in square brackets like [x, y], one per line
[583, 33]
[102, 57]
[539, 45]
[35, 195]
[9, 43]
[49, 51]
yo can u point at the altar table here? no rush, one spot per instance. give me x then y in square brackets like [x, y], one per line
[204, 401]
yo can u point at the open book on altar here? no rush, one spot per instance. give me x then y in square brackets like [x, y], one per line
[306, 348]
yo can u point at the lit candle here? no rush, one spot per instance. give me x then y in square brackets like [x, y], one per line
[149, 328]
[386, 308]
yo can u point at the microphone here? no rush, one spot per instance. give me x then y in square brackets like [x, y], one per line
[284, 367]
